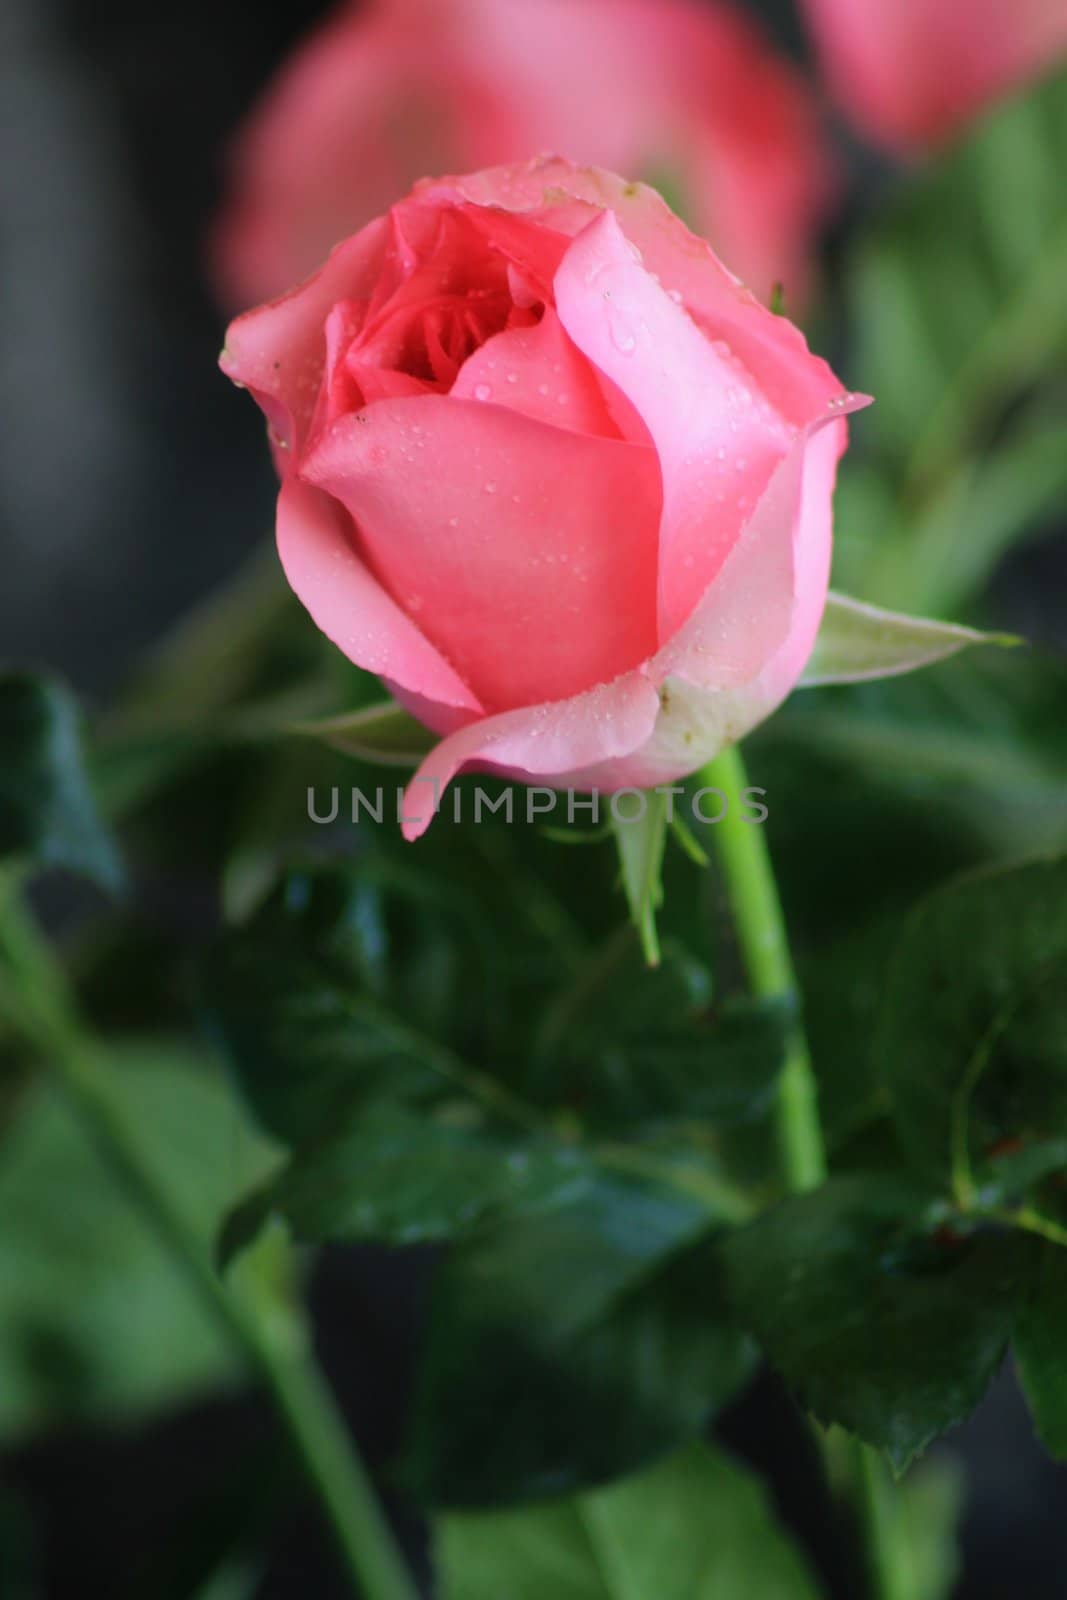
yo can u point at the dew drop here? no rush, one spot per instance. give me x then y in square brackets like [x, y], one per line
[482, 391]
[622, 336]
[490, 488]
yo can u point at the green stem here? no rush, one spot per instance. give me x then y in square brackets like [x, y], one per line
[761, 931]
[757, 911]
[36, 998]
[885, 1517]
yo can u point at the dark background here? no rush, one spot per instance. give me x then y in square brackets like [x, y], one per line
[132, 480]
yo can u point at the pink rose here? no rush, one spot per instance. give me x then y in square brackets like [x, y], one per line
[553, 473]
[910, 72]
[682, 93]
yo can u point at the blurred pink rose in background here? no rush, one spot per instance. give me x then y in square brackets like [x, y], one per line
[687, 95]
[910, 72]
[551, 472]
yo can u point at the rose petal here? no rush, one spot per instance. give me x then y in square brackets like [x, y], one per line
[278, 350]
[797, 383]
[780, 564]
[717, 438]
[532, 550]
[547, 741]
[349, 604]
[538, 371]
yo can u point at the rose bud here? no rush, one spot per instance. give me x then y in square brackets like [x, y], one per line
[912, 72]
[553, 473]
[686, 94]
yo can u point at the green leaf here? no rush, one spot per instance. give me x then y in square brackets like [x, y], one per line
[973, 1042]
[384, 733]
[47, 813]
[1040, 1341]
[331, 1002]
[631, 1050]
[697, 1526]
[97, 1323]
[858, 641]
[879, 1324]
[959, 316]
[333, 994]
[388, 1175]
[566, 1348]
[641, 841]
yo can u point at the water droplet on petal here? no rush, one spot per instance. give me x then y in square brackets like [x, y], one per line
[482, 391]
[622, 335]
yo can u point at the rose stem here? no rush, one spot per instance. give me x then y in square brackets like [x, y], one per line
[37, 1003]
[757, 912]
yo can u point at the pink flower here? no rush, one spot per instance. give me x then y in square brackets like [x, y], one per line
[553, 473]
[681, 92]
[911, 72]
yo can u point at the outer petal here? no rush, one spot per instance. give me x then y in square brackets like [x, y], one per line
[279, 350]
[529, 551]
[681, 708]
[774, 588]
[717, 437]
[549, 741]
[350, 605]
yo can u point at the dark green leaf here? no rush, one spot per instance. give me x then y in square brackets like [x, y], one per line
[973, 1042]
[405, 1179]
[632, 1050]
[566, 1348]
[331, 1001]
[698, 1526]
[1040, 1342]
[47, 813]
[878, 1324]
[331, 997]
